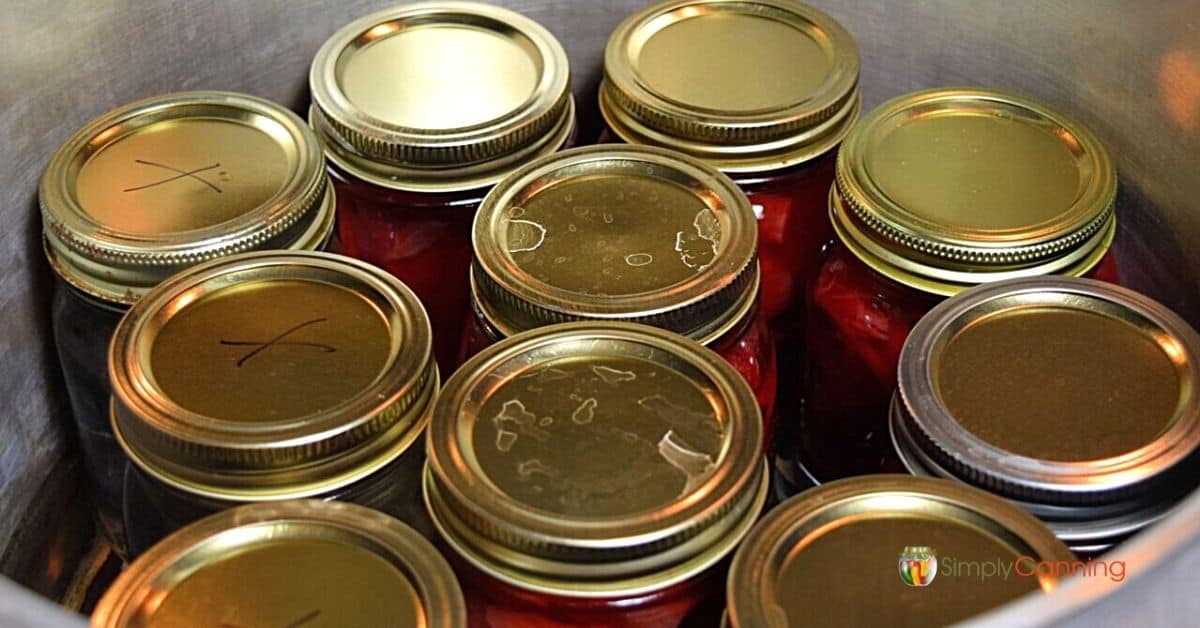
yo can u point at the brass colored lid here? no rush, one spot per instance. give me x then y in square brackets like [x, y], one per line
[616, 232]
[948, 188]
[272, 376]
[595, 459]
[440, 95]
[1055, 390]
[845, 553]
[298, 563]
[745, 85]
[153, 187]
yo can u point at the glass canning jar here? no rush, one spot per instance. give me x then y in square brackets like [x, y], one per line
[936, 191]
[421, 109]
[826, 557]
[593, 474]
[569, 237]
[1076, 399]
[294, 563]
[271, 376]
[765, 91]
[147, 190]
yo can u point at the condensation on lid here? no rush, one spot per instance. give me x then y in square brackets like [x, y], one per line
[616, 232]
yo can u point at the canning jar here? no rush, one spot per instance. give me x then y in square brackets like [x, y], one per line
[147, 190]
[294, 563]
[623, 233]
[593, 474]
[1076, 399]
[422, 108]
[272, 376]
[936, 191]
[890, 550]
[764, 90]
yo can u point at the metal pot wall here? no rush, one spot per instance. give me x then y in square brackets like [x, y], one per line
[1132, 75]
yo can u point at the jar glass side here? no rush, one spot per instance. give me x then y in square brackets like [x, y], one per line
[492, 603]
[82, 330]
[422, 238]
[152, 510]
[857, 322]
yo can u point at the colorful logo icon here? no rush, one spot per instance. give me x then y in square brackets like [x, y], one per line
[918, 566]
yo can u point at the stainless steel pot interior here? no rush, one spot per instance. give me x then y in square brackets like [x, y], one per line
[1132, 75]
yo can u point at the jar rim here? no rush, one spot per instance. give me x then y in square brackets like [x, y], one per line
[252, 456]
[771, 548]
[117, 263]
[396, 150]
[696, 303]
[1137, 474]
[594, 550]
[903, 212]
[219, 536]
[789, 123]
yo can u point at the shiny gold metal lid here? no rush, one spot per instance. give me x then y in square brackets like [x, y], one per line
[949, 188]
[616, 232]
[158, 185]
[272, 376]
[595, 459]
[440, 96]
[1056, 390]
[296, 563]
[889, 550]
[744, 85]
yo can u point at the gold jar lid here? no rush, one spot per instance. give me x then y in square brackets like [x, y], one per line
[745, 85]
[272, 376]
[297, 563]
[869, 550]
[948, 188]
[615, 232]
[1062, 391]
[595, 460]
[158, 185]
[440, 96]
